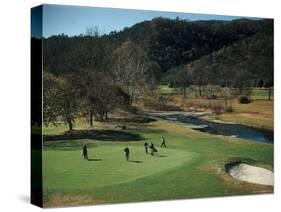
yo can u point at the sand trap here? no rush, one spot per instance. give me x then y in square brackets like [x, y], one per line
[252, 174]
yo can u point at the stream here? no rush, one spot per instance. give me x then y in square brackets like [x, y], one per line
[217, 128]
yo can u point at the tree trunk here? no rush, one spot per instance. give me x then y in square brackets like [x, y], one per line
[200, 91]
[225, 102]
[101, 116]
[131, 99]
[70, 126]
[184, 91]
[106, 115]
[269, 94]
[240, 91]
[91, 118]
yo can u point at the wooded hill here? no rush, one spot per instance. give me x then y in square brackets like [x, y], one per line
[89, 75]
[245, 63]
[166, 44]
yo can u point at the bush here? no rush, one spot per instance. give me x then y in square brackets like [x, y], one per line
[212, 97]
[244, 100]
[229, 109]
[217, 108]
[160, 103]
[133, 109]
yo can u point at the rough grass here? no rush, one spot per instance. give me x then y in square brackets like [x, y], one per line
[258, 113]
[192, 166]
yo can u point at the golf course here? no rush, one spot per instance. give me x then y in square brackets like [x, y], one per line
[192, 165]
[163, 108]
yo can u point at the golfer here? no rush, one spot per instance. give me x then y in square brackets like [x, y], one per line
[127, 153]
[85, 152]
[163, 144]
[146, 147]
[152, 149]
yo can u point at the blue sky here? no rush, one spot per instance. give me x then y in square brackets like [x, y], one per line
[74, 20]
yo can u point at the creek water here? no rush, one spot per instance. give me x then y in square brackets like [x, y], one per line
[226, 129]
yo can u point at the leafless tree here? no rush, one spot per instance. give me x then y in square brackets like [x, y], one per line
[131, 68]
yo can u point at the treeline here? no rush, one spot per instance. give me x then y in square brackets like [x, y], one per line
[176, 42]
[68, 96]
[168, 43]
[244, 64]
[103, 81]
[91, 74]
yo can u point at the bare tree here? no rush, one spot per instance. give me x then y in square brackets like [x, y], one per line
[182, 78]
[61, 99]
[100, 95]
[131, 68]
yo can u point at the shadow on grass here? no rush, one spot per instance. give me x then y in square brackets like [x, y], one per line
[161, 156]
[133, 119]
[234, 161]
[135, 161]
[147, 129]
[101, 135]
[95, 159]
[66, 145]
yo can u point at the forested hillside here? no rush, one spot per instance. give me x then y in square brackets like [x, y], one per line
[247, 62]
[167, 43]
[93, 73]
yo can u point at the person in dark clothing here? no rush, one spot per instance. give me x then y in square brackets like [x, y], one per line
[146, 147]
[163, 144]
[85, 152]
[127, 153]
[152, 149]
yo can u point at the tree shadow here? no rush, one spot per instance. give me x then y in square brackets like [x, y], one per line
[161, 156]
[67, 145]
[101, 135]
[148, 129]
[135, 161]
[133, 119]
[95, 159]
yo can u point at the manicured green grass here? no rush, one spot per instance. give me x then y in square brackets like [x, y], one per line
[261, 93]
[166, 90]
[61, 127]
[191, 166]
[256, 93]
[107, 166]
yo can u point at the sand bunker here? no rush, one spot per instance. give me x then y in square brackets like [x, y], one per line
[252, 174]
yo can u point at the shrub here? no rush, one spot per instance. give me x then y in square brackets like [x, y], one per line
[229, 109]
[217, 108]
[160, 103]
[244, 100]
[132, 109]
[212, 96]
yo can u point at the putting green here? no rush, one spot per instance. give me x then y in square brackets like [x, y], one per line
[66, 170]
